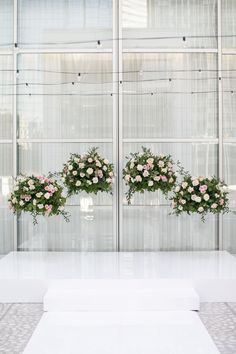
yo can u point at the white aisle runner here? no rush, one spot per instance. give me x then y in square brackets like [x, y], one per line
[120, 317]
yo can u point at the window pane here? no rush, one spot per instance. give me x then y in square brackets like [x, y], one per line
[192, 19]
[6, 90]
[153, 229]
[229, 99]
[65, 23]
[6, 218]
[170, 113]
[6, 22]
[51, 112]
[228, 23]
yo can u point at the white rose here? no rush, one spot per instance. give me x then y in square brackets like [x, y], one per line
[89, 183]
[78, 183]
[132, 165]
[90, 160]
[109, 180]
[201, 179]
[70, 167]
[182, 193]
[184, 185]
[61, 208]
[200, 209]
[190, 189]
[171, 180]
[104, 168]
[95, 180]
[14, 201]
[198, 199]
[177, 189]
[82, 174]
[34, 202]
[127, 178]
[31, 187]
[206, 197]
[180, 207]
[30, 182]
[63, 179]
[40, 206]
[183, 201]
[16, 189]
[193, 197]
[81, 165]
[106, 162]
[138, 178]
[98, 163]
[150, 183]
[164, 170]
[140, 167]
[74, 173]
[150, 160]
[195, 182]
[161, 164]
[217, 195]
[214, 206]
[21, 203]
[157, 178]
[145, 173]
[39, 195]
[89, 171]
[47, 195]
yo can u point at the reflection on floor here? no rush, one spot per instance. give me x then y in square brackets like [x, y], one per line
[18, 321]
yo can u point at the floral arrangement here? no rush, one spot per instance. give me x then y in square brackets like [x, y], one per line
[148, 172]
[37, 195]
[200, 195]
[90, 173]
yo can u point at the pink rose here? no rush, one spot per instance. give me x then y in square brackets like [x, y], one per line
[203, 188]
[164, 179]
[221, 201]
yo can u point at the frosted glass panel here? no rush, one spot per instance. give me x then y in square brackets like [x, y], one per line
[6, 22]
[171, 19]
[229, 227]
[230, 171]
[169, 113]
[87, 231]
[51, 111]
[6, 218]
[229, 99]
[6, 89]
[62, 23]
[152, 228]
[228, 23]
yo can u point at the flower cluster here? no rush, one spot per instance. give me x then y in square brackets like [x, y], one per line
[148, 172]
[200, 195]
[37, 195]
[90, 173]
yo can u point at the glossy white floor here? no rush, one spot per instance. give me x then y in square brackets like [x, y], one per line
[25, 276]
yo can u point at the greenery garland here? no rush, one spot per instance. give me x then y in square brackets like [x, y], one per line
[37, 195]
[90, 173]
[148, 172]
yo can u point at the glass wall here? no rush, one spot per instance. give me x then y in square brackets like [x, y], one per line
[118, 75]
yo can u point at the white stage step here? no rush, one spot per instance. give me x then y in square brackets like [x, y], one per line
[167, 332]
[121, 295]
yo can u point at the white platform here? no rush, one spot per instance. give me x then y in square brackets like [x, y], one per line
[25, 276]
[120, 295]
[167, 332]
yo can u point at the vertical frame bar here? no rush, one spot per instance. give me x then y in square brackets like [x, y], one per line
[120, 124]
[14, 122]
[115, 90]
[220, 116]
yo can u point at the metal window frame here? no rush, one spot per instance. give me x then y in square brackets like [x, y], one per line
[117, 134]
